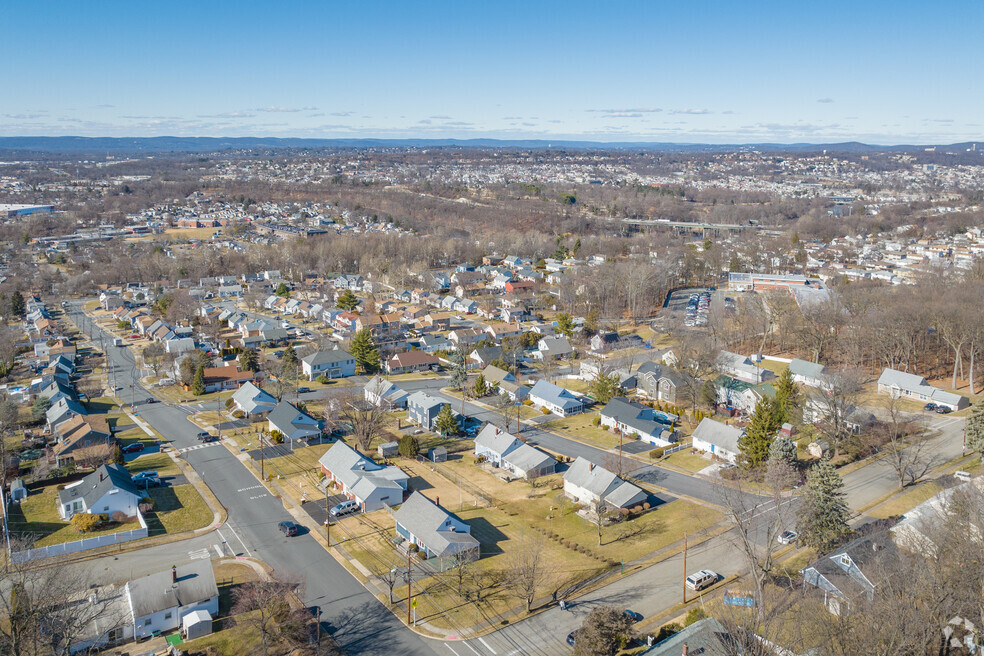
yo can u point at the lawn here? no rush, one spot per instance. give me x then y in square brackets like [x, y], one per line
[159, 462]
[906, 501]
[582, 427]
[38, 516]
[177, 509]
[686, 460]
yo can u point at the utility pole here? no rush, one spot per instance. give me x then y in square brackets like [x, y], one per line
[517, 417]
[328, 517]
[685, 568]
[621, 436]
[262, 472]
[409, 589]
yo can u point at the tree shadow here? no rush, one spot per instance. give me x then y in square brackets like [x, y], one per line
[485, 532]
[418, 483]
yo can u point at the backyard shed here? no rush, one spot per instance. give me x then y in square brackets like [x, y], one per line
[388, 450]
[437, 454]
[196, 624]
[17, 490]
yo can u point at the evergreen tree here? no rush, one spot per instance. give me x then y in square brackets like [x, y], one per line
[765, 422]
[606, 386]
[282, 290]
[40, 407]
[788, 395]
[364, 349]
[347, 301]
[248, 360]
[480, 387]
[198, 382]
[591, 322]
[409, 446]
[782, 449]
[823, 513]
[565, 324]
[446, 423]
[459, 370]
[17, 305]
[974, 430]
[117, 457]
[289, 357]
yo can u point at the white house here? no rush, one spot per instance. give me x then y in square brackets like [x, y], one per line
[508, 452]
[900, 384]
[381, 392]
[333, 364]
[717, 439]
[555, 399]
[160, 601]
[807, 373]
[635, 419]
[108, 490]
[371, 485]
[253, 401]
[588, 483]
[741, 367]
[436, 532]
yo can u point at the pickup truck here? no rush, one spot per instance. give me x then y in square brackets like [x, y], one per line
[117, 341]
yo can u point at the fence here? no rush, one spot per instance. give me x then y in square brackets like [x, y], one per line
[83, 544]
[678, 447]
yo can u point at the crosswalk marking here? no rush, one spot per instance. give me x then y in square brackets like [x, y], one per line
[200, 554]
[198, 446]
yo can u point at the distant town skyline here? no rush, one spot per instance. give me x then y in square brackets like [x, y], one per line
[700, 72]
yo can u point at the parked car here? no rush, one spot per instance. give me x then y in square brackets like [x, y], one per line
[203, 436]
[151, 399]
[344, 508]
[570, 638]
[287, 528]
[943, 410]
[930, 407]
[144, 474]
[148, 482]
[302, 390]
[787, 537]
[705, 578]
[636, 617]
[136, 447]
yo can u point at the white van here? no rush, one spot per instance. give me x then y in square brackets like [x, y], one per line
[344, 508]
[705, 578]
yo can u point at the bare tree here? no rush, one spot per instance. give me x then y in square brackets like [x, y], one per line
[832, 404]
[365, 419]
[267, 605]
[528, 570]
[905, 447]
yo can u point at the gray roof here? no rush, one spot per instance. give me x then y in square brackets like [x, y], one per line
[327, 357]
[441, 532]
[706, 637]
[601, 482]
[553, 394]
[285, 414]
[806, 369]
[494, 373]
[98, 483]
[425, 401]
[657, 371]
[251, 398]
[918, 385]
[386, 390]
[634, 415]
[718, 434]
[512, 450]
[360, 473]
[555, 345]
[156, 592]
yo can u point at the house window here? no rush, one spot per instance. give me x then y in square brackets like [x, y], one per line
[105, 508]
[147, 622]
[167, 615]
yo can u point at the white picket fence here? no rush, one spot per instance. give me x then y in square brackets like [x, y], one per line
[678, 447]
[83, 544]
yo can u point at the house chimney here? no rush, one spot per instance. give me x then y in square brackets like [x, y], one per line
[100, 477]
[437, 501]
[174, 574]
[590, 466]
[685, 650]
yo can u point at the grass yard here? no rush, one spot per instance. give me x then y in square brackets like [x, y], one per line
[177, 509]
[241, 637]
[159, 462]
[37, 516]
[190, 233]
[686, 460]
[582, 427]
[906, 501]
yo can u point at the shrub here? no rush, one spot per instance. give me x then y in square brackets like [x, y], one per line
[229, 403]
[695, 614]
[103, 517]
[527, 402]
[238, 414]
[596, 421]
[409, 446]
[323, 379]
[119, 517]
[277, 437]
[413, 548]
[544, 411]
[85, 522]
[646, 506]
[657, 453]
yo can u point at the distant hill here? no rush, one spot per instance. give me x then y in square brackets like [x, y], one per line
[210, 144]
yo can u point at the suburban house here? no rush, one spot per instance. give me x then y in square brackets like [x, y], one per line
[741, 367]
[900, 384]
[381, 392]
[918, 530]
[603, 341]
[292, 423]
[555, 399]
[658, 382]
[225, 378]
[483, 356]
[160, 601]
[840, 575]
[436, 532]
[706, 637]
[253, 401]
[717, 439]
[807, 373]
[552, 348]
[79, 435]
[62, 410]
[635, 419]
[410, 361]
[332, 364]
[506, 383]
[740, 395]
[108, 490]
[422, 409]
[816, 410]
[508, 452]
[588, 483]
[371, 485]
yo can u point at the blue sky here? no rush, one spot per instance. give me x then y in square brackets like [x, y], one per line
[697, 71]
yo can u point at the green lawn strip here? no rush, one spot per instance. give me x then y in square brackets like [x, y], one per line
[686, 460]
[159, 462]
[177, 509]
[38, 516]
[906, 501]
[234, 636]
[581, 426]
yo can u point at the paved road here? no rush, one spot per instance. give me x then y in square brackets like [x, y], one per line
[352, 615]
